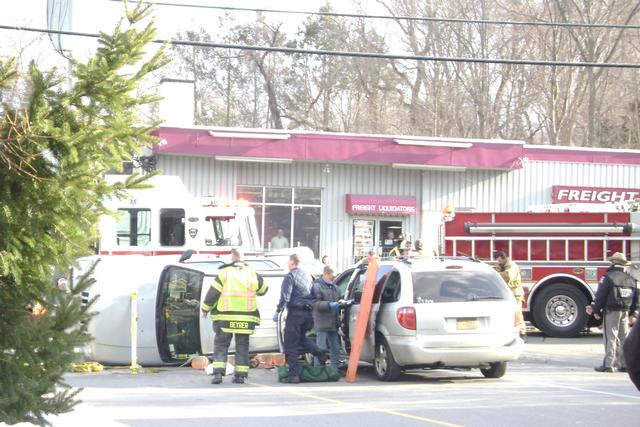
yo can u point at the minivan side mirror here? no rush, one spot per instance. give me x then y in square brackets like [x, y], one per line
[186, 255]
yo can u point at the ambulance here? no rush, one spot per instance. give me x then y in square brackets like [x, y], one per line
[167, 220]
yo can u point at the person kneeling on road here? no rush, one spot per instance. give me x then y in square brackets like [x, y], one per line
[295, 294]
[326, 303]
[234, 310]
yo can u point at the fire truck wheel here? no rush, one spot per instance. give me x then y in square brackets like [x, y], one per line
[558, 310]
[496, 370]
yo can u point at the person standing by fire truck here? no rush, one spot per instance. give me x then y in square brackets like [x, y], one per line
[615, 298]
[510, 273]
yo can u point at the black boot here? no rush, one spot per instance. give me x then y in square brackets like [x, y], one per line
[237, 379]
[322, 355]
[290, 380]
[217, 378]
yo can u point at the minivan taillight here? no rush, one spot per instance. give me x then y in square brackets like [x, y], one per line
[407, 317]
[518, 318]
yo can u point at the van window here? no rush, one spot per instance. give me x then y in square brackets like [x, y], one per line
[358, 286]
[342, 281]
[134, 227]
[172, 227]
[178, 313]
[391, 292]
[457, 286]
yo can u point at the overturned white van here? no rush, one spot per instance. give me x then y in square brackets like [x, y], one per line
[169, 324]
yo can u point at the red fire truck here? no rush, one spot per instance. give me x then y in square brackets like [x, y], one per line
[562, 256]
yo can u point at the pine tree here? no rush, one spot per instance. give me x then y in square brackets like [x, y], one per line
[55, 147]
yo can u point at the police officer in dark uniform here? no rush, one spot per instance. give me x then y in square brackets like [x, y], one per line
[296, 296]
[616, 301]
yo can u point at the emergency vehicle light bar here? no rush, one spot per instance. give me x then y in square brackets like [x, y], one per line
[558, 228]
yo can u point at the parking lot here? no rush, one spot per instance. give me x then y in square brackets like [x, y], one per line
[552, 384]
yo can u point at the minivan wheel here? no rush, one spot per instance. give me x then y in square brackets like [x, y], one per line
[384, 365]
[496, 370]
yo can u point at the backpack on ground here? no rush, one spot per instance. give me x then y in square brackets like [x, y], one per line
[311, 374]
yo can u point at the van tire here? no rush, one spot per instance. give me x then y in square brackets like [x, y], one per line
[384, 365]
[496, 370]
[556, 304]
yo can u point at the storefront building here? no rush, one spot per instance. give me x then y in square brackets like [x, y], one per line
[342, 194]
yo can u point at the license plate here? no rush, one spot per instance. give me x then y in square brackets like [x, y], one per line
[466, 324]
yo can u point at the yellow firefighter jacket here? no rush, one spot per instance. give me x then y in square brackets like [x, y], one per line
[510, 273]
[232, 299]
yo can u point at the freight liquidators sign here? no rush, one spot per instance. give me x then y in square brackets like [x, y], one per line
[380, 205]
[566, 194]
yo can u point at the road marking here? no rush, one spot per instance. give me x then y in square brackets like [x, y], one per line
[586, 390]
[358, 406]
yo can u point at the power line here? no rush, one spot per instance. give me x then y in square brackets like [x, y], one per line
[400, 17]
[375, 55]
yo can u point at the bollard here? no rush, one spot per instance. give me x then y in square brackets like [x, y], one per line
[134, 333]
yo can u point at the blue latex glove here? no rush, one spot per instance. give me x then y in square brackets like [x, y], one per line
[276, 316]
[333, 306]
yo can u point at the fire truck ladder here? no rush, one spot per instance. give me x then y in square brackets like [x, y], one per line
[586, 233]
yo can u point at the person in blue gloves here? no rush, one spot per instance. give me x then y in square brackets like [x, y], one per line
[326, 305]
[295, 295]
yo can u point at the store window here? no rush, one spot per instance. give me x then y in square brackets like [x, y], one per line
[286, 216]
[278, 195]
[134, 227]
[251, 194]
[277, 227]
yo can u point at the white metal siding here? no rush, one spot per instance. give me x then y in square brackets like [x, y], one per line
[204, 176]
[484, 190]
[516, 190]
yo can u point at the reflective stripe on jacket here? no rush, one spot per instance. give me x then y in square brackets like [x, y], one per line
[232, 299]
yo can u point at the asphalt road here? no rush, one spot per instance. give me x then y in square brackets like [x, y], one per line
[553, 384]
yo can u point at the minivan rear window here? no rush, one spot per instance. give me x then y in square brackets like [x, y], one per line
[457, 286]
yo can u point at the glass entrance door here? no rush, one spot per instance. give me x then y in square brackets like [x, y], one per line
[391, 232]
[381, 235]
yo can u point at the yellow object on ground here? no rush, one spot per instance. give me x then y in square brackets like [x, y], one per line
[87, 367]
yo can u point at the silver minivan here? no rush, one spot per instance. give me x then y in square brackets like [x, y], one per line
[434, 313]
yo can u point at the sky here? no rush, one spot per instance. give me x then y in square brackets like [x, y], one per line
[92, 16]
[102, 15]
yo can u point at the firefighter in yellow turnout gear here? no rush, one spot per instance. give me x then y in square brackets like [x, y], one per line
[233, 307]
[510, 273]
